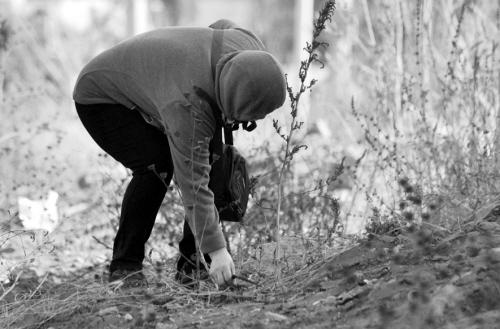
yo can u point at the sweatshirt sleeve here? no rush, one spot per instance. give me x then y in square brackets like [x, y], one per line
[189, 132]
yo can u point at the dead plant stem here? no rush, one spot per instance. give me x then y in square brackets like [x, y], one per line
[325, 15]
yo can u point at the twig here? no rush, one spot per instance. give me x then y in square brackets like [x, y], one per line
[6, 292]
[244, 279]
[221, 293]
[371, 34]
[39, 286]
[101, 243]
[436, 226]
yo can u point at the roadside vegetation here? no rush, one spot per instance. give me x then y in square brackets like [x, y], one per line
[411, 101]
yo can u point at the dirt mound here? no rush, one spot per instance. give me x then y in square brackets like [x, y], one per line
[424, 279]
[414, 278]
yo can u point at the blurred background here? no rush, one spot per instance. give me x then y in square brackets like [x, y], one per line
[407, 89]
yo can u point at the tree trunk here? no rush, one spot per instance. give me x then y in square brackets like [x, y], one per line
[399, 44]
[137, 16]
[496, 145]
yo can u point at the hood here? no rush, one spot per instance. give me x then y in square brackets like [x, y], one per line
[249, 84]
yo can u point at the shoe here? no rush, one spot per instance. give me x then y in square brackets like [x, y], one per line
[187, 272]
[130, 278]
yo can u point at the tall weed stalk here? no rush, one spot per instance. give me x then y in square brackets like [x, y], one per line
[325, 15]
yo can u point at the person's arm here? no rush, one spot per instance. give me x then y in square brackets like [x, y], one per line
[189, 132]
[223, 24]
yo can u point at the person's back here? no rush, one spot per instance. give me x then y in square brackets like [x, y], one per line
[156, 68]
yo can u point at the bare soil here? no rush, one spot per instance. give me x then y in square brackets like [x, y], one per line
[421, 278]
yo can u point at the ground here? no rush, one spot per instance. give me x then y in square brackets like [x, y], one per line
[412, 277]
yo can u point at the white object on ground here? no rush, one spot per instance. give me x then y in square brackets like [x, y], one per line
[39, 214]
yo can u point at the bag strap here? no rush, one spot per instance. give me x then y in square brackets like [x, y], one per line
[215, 146]
[216, 52]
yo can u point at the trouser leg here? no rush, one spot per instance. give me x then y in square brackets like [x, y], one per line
[125, 136]
[141, 202]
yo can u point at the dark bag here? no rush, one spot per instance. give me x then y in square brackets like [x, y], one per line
[230, 184]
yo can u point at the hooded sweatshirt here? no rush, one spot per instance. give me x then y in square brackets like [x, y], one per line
[156, 72]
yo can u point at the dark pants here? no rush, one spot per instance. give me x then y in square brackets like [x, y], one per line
[124, 135]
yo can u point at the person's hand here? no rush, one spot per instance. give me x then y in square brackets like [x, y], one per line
[222, 268]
